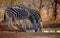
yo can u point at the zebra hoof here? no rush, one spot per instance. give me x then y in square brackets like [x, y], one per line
[36, 30]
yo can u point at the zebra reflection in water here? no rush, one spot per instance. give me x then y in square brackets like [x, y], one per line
[23, 13]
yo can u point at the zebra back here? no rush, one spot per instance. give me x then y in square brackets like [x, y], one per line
[16, 13]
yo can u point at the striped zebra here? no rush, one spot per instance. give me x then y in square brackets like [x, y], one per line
[36, 15]
[17, 14]
[36, 19]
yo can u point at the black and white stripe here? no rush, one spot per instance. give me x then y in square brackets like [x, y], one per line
[17, 14]
[34, 16]
[24, 13]
[37, 17]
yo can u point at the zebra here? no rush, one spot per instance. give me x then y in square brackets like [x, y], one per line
[17, 14]
[36, 16]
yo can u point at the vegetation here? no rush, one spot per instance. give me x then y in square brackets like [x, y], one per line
[49, 9]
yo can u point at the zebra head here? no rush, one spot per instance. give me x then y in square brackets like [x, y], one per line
[37, 17]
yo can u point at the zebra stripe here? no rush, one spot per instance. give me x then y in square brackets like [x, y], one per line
[18, 12]
[24, 13]
[34, 14]
[10, 10]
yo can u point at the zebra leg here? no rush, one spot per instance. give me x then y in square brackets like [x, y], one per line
[9, 23]
[29, 24]
[34, 26]
[24, 24]
[18, 23]
[40, 26]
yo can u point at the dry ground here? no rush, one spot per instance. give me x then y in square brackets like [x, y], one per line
[7, 34]
[4, 33]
